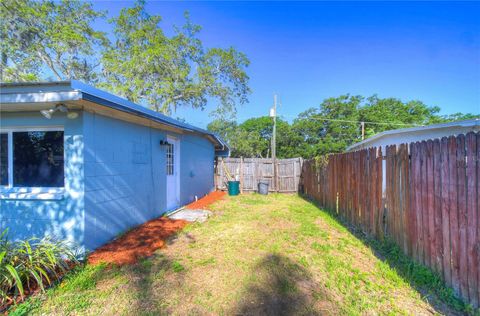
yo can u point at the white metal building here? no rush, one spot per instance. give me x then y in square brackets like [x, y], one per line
[414, 134]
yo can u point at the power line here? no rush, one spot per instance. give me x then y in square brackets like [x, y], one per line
[346, 121]
[358, 122]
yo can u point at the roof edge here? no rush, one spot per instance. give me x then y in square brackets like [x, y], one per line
[111, 100]
[462, 123]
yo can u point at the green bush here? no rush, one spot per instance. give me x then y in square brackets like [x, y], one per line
[26, 265]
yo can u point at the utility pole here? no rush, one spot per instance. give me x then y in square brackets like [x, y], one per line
[273, 113]
[363, 130]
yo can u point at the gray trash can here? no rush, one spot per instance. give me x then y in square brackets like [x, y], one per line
[263, 187]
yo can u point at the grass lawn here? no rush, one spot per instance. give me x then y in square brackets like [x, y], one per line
[275, 254]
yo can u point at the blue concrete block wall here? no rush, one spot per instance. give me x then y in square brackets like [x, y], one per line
[196, 168]
[62, 217]
[115, 178]
[125, 175]
[122, 189]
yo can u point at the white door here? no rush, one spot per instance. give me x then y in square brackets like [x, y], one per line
[173, 173]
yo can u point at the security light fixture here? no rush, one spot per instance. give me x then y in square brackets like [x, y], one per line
[59, 107]
[164, 143]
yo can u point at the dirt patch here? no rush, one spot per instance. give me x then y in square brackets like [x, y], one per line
[207, 200]
[140, 242]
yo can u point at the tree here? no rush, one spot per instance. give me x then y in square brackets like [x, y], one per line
[146, 66]
[331, 127]
[459, 117]
[253, 137]
[44, 39]
[336, 123]
[392, 113]
[223, 128]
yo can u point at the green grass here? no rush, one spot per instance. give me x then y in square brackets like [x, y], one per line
[275, 254]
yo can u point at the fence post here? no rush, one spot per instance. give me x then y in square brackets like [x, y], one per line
[215, 173]
[275, 174]
[221, 174]
[294, 163]
[241, 175]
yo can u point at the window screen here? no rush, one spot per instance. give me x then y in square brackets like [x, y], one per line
[3, 159]
[170, 159]
[38, 159]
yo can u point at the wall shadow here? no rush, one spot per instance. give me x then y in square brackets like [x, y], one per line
[280, 286]
[421, 278]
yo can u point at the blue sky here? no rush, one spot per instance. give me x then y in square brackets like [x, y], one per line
[308, 51]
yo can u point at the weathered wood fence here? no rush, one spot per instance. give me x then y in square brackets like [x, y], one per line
[424, 196]
[251, 170]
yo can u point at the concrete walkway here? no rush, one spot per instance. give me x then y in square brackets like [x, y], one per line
[192, 215]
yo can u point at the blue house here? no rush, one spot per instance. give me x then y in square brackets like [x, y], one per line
[84, 165]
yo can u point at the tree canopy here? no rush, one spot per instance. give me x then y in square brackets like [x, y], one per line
[44, 40]
[329, 128]
[143, 64]
[47, 39]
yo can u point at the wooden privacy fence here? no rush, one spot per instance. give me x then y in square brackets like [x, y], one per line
[251, 170]
[423, 195]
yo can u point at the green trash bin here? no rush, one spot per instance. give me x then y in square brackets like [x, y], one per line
[233, 187]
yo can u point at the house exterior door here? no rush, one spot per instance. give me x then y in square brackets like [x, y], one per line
[173, 173]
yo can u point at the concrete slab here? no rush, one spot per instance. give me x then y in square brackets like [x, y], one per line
[192, 215]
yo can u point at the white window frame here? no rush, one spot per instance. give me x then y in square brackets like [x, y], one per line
[9, 131]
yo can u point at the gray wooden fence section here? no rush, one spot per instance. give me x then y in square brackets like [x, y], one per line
[251, 170]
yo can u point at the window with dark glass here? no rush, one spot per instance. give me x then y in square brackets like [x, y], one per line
[3, 159]
[38, 159]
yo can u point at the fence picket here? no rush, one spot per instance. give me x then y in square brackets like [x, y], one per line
[446, 242]
[424, 204]
[413, 217]
[477, 197]
[462, 215]
[454, 237]
[379, 201]
[437, 201]
[472, 200]
[404, 198]
[430, 205]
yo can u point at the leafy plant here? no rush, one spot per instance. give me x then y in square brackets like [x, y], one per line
[26, 265]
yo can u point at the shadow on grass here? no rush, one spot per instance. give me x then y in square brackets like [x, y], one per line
[149, 295]
[91, 284]
[425, 281]
[73, 292]
[281, 287]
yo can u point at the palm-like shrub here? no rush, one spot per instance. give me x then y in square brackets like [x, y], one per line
[29, 264]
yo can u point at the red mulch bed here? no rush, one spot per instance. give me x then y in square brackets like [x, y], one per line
[204, 202]
[140, 242]
[144, 240]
